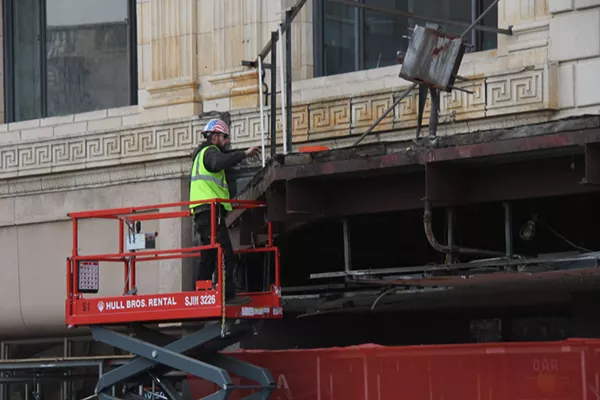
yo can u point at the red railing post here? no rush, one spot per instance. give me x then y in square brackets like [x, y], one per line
[221, 286]
[121, 251]
[75, 253]
[213, 222]
[132, 279]
[270, 234]
[69, 300]
[277, 279]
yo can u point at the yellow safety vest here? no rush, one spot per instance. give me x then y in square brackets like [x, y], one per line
[206, 185]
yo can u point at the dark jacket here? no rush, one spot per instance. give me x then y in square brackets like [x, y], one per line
[215, 161]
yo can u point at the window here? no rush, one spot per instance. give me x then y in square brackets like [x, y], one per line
[353, 39]
[68, 56]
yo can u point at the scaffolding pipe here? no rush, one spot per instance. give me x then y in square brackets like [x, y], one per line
[262, 111]
[288, 81]
[270, 45]
[398, 100]
[450, 228]
[283, 90]
[427, 222]
[273, 133]
[508, 229]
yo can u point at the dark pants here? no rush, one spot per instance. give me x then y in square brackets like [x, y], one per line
[208, 258]
[435, 107]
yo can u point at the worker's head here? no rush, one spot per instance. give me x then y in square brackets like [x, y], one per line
[216, 132]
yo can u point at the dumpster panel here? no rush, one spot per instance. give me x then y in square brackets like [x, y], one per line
[565, 370]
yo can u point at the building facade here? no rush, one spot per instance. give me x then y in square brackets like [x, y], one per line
[101, 105]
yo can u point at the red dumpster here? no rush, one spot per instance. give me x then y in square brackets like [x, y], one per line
[566, 370]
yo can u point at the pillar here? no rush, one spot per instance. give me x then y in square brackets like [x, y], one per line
[167, 62]
[529, 43]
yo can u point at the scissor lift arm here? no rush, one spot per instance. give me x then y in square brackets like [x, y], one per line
[156, 353]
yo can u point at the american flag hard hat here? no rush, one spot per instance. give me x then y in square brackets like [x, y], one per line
[216, 126]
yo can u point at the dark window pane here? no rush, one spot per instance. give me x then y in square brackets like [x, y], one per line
[87, 55]
[456, 10]
[489, 40]
[339, 46]
[383, 33]
[26, 59]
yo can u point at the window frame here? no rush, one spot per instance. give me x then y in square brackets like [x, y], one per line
[8, 47]
[319, 15]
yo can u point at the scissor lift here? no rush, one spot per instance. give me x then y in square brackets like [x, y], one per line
[157, 353]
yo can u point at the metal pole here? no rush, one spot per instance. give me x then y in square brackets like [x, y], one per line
[68, 352]
[269, 46]
[347, 249]
[3, 387]
[406, 93]
[450, 227]
[273, 133]
[472, 26]
[508, 229]
[283, 88]
[262, 111]
[288, 72]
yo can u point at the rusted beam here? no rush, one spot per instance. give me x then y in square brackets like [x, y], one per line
[496, 145]
[305, 196]
[444, 183]
[592, 164]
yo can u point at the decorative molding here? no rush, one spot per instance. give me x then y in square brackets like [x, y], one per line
[168, 93]
[529, 90]
[239, 86]
[330, 118]
[366, 110]
[172, 168]
[506, 93]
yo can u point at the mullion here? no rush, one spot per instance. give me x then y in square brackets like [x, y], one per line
[43, 60]
[359, 37]
[133, 62]
[9, 76]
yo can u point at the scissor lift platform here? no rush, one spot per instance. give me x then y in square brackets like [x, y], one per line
[157, 353]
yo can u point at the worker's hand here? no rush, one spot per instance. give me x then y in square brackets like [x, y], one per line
[252, 151]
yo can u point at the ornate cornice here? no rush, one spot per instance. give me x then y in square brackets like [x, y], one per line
[98, 177]
[525, 90]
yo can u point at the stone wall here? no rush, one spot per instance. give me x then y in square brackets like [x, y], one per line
[189, 56]
[575, 46]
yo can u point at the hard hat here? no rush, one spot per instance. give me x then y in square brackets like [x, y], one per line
[215, 125]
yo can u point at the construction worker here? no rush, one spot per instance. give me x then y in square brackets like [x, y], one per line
[208, 181]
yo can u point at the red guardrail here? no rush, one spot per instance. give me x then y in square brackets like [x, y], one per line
[204, 302]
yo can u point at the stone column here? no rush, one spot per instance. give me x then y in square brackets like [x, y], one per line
[575, 46]
[230, 31]
[529, 43]
[168, 65]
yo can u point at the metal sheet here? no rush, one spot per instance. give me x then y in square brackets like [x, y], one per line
[563, 370]
[432, 58]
